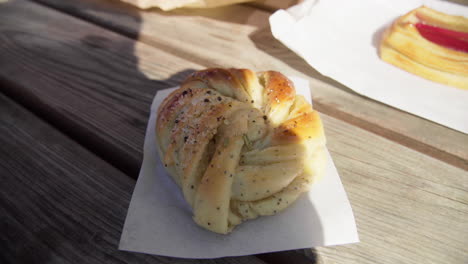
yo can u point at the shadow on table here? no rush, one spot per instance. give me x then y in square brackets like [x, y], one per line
[86, 81]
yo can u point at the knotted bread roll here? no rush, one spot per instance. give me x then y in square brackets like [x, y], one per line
[239, 144]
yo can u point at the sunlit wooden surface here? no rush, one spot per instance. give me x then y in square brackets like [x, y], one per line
[76, 81]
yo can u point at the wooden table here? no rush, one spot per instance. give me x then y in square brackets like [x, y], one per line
[76, 82]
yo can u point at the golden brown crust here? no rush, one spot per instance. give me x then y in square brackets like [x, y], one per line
[304, 123]
[278, 88]
[235, 141]
[436, 18]
[404, 47]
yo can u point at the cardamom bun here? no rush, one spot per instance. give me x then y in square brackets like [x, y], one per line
[239, 144]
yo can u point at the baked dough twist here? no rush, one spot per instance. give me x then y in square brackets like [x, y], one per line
[239, 144]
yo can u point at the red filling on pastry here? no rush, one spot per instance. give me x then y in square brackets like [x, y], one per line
[444, 37]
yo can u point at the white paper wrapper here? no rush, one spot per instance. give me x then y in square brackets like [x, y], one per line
[340, 39]
[159, 221]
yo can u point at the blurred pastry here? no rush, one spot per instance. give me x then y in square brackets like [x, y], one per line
[167, 5]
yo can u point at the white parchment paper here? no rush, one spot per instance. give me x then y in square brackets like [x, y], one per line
[159, 221]
[340, 39]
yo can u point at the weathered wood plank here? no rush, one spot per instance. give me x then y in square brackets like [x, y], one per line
[239, 36]
[77, 75]
[409, 207]
[59, 203]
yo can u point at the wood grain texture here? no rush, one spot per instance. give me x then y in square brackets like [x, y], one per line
[77, 75]
[239, 36]
[409, 207]
[59, 203]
